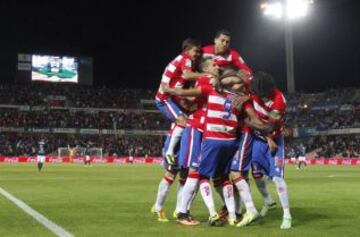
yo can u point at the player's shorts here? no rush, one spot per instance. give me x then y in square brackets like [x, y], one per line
[263, 162]
[242, 160]
[168, 167]
[40, 159]
[302, 158]
[169, 108]
[190, 147]
[87, 158]
[215, 157]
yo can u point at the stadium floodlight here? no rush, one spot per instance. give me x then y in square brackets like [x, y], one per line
[297, 8]
[274, 9]
[291, 9]
[288, 10]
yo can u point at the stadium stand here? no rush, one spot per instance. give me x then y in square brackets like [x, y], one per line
[120, 119]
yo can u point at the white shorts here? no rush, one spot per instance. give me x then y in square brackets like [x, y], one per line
[40, 159]
[87, 158]
[302, 158]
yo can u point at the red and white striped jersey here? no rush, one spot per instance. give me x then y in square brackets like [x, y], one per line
[246, 106]
[173, 75]
[278, 103]
[229, 60]
[197, 118]
[221, 121]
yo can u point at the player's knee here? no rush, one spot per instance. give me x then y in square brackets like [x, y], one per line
[169, 178]
[170, 174]
[235, 175]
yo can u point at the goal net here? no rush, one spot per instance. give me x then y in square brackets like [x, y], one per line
[95, 152]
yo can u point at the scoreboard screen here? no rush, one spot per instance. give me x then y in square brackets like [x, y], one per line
[54, 69]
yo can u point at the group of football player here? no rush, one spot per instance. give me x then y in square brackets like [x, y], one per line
[226, 121]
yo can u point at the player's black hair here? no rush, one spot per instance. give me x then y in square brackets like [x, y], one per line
[189, 43]
[262, 84]
[222, 32]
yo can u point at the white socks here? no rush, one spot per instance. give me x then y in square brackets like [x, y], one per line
[163, 190]
[281, 189]
[179, 194]
[262, 187]
[245, 194]
[228, 195]
[206, 193]
[189, 192]
[238, 201]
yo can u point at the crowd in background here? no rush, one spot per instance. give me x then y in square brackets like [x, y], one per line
[83, 119]
[322, 119]
[326, 146]
[16, 144]
[332, 109]
[76, 96]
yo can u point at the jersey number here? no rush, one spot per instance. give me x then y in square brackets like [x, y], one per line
[227, 109]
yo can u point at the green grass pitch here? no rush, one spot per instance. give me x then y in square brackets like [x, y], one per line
[115, 200]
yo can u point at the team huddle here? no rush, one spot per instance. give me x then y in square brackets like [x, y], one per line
[227, 121]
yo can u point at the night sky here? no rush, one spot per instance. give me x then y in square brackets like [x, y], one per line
[132, 44]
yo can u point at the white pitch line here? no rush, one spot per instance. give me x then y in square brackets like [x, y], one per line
[57, 230]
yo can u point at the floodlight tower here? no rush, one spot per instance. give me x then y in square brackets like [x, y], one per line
[288, 11]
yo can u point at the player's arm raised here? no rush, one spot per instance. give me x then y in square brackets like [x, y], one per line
[244, 70]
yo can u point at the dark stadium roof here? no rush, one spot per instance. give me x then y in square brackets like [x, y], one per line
[132, 41]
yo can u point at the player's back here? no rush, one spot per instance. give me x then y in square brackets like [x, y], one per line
[221, 120]
[276, 103]
[173, 74]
